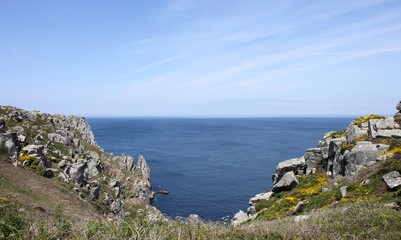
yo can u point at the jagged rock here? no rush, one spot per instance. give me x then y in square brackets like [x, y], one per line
[62, 164]
[296, 165]
[54, 137]
[2, 125]
[64, 177]
[398, 107]
[77, 173]
[239, 218]
[353, 132]
[21, 138]
[9, 141]
[94, 167]
[33, 150]
[94, 190]
[117, 207]
[312, 157]
[251, 210]
[334, 145]
[261, 196]
[392, 179]
[363, 153]
[287, 182]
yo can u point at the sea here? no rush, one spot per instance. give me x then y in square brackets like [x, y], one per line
[211, 166]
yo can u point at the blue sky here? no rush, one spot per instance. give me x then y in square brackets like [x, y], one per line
[201, 58]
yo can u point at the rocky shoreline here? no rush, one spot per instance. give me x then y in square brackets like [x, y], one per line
[339, 154]
[64, 147]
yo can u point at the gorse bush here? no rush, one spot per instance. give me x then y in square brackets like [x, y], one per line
[361, 120]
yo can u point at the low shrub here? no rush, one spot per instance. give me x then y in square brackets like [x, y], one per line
[361, 120]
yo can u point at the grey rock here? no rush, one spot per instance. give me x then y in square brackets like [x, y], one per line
[299, 207]
[62, 164]
[392, 179]
[343, 191]
[287, 182]
[334, 145]
[312, 157]
[54, 137]
[395, 133]
[117, 207]
[94, 167]
[251, 210]
[398, 107]
[2, 125]
[353, 132]
[64, 177]
[295, 165]
[77, 173]
[9, 141]
[33, 149]
[261, 196]
[239, 218]
[362, 154]
[94, 192]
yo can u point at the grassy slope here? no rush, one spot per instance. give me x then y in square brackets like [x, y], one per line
[32, 191]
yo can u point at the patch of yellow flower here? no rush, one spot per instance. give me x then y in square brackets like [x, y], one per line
[291, 199]
[24, 158]
[361, 120]
[321, 180]
[396, 150]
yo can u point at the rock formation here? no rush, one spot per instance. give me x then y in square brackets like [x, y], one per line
[55, 145]
[341, 153]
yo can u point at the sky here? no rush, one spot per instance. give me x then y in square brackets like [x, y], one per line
[201, 58]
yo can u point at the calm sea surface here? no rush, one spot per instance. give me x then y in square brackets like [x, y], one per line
[211, 166]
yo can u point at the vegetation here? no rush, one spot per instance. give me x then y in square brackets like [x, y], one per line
[337, 134]
[346, 146]
[361, 120]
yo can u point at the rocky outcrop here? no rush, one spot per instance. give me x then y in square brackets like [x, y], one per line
[287, 182]
[295, 165]
[64, 147]
[364, 153]
[341, 153]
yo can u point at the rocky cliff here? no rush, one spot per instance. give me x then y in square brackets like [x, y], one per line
[368, 150]
[64, 148]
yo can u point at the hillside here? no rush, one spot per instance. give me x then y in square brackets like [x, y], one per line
[57, 183]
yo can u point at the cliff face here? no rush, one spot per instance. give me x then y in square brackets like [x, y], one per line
[64, 148]
[370, 145]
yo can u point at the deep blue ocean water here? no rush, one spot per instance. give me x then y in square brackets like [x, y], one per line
[211, 166]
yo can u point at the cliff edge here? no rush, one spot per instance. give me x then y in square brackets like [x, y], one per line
[63, 148]
[360, 163]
